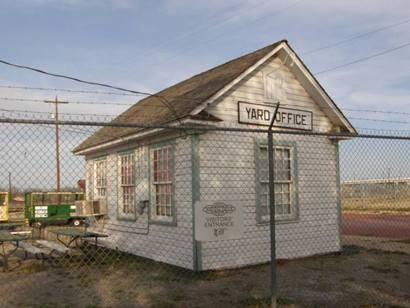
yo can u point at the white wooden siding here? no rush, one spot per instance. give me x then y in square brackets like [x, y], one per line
[227, 173]
[164, 243]
[252, 90]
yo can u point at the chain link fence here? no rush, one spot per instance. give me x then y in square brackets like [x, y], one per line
[180, 218]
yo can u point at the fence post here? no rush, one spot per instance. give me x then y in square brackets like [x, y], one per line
[272, 211]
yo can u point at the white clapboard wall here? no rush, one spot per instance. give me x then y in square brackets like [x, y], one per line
[227, 174]
[252, 90]
[169, 244]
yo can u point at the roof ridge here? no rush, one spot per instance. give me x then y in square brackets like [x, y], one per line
[220, 65]
[183, 96]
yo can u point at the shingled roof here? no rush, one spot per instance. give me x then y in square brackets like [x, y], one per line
[177, 101]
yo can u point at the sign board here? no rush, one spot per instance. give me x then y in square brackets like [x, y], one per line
[217, 221]
[41, 211]
[261, 114]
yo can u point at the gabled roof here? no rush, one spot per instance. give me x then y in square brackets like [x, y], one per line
[189, 98]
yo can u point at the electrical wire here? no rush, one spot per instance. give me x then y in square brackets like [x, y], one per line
[111, 115]
[355, 37]
[363, 59]
[60, 113]
[69, 90]
[203, 27]
[130, 104]
[380, 120]
[70, 102]
[163, 100]
[41, 71]
[376, 111]
[191, 48]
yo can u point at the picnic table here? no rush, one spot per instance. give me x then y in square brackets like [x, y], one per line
[7, 237]
[75, 235]
[10, 225]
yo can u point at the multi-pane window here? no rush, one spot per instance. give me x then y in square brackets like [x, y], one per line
[161, 181]
[100, 167]
[127, 183]
[283, 181]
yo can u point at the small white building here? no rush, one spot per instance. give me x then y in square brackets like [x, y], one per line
[199, 199]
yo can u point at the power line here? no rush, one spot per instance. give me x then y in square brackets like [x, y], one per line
[384, 130]
[71, 102]
[37, 70]
[203, 27]
[355, 37]
[130, 104]
[68, 90]
[376, 111]
[380, 120]
[61, 113]
[363, 59]
[163, 100]
[216, 38]
[284, 105]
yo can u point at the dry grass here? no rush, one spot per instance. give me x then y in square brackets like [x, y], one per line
[114, 279]
[386, 205]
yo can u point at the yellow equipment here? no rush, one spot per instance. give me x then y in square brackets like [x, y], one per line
[4, 206]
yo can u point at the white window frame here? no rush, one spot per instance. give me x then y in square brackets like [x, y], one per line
[274, 85]
[162, 207]
[100, 176]
[126, 186]
[280, 193]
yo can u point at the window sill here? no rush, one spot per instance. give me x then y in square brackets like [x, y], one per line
[280, 221]
[171, 223]
[127, 218]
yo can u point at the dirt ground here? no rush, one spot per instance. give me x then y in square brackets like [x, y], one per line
[365, 274]
[376, 224]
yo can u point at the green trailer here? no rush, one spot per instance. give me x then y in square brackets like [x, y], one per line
[43, 208]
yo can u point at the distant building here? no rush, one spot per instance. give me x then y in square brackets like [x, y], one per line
[160, 184]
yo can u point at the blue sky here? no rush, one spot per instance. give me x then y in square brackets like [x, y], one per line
[148, 45]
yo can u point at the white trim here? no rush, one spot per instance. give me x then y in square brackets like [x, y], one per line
[145, 133]
[115, 142]
[221, 92]
[295, 60]
[154, 184]
[319, 89]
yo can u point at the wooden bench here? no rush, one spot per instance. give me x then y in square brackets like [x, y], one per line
[42, 254]
[30, 248]
[28, 232]
[55, 247]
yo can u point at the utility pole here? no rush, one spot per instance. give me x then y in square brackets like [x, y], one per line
[10, 197]
[56, 102]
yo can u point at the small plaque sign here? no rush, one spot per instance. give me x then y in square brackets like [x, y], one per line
[261, 114]
[40, 211]
[216, 221]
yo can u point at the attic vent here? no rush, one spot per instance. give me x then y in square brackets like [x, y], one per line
[274, 86]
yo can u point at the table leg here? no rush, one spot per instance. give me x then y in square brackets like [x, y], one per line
[4, 257]
[62, 242]
[73, 240]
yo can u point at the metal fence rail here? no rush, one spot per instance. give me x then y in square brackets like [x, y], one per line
[181, 218]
